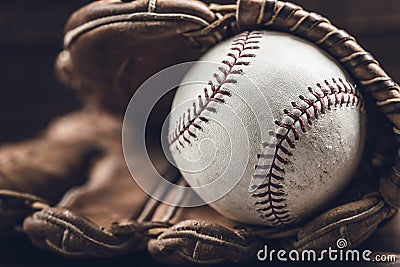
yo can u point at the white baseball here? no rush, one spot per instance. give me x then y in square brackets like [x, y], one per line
[274, 136]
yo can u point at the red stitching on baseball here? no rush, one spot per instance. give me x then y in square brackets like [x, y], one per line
[269, 200]
[241, 45]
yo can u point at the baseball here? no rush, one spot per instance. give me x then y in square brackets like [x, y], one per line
[270, 132]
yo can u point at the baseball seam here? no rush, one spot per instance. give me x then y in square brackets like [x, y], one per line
[270, 193]
[190, 121]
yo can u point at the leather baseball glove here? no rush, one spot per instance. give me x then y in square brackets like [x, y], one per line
[74, 190]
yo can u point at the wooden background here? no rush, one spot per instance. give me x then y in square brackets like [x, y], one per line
[31, 36]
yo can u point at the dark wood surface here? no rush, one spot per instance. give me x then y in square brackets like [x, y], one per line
[31, 36]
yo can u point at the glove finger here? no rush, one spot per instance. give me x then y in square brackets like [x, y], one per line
[201, 235]
[354, 222]
[386, 237]
[14, 207]
[80, 224]
[42, 169]
[63, 231]
[43, 166]
[201, 242]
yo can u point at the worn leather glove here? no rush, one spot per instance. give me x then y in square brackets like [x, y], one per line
[111, 47]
